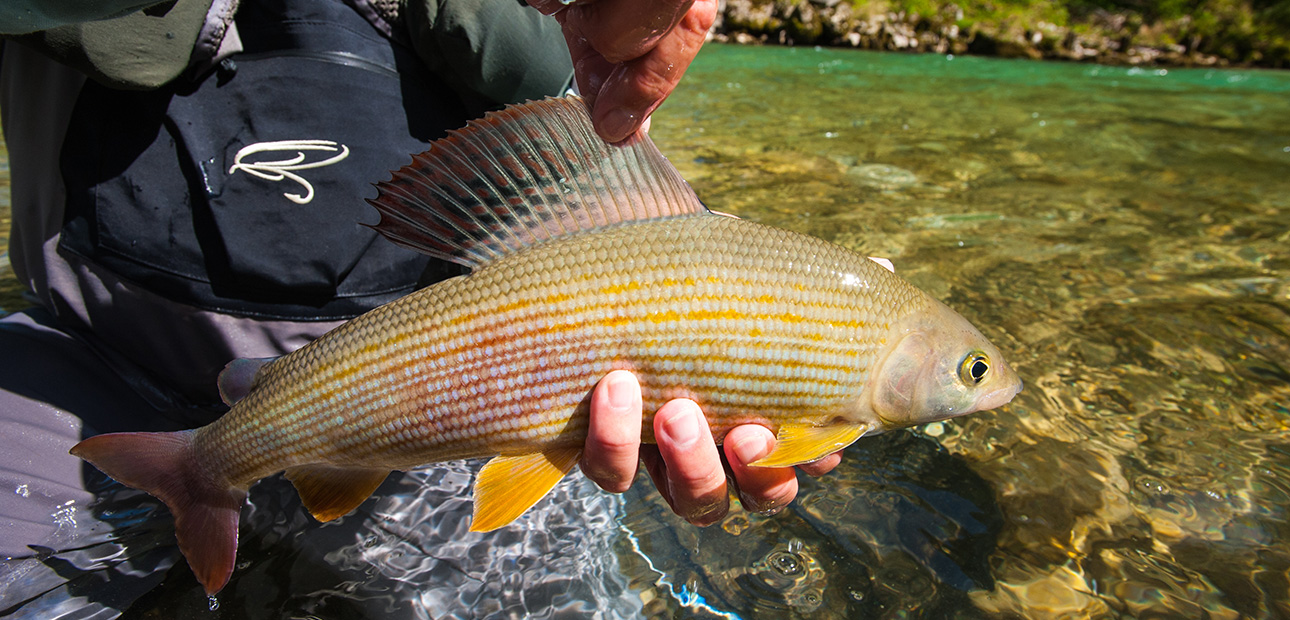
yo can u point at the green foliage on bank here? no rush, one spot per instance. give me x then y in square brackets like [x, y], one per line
[1243, 32]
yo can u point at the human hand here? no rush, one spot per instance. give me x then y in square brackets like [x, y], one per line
[686, 464]
[628, 55]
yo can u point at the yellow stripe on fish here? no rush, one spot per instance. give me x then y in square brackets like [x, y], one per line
[585, 257]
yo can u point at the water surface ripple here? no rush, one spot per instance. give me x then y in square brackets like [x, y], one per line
[1122, 234]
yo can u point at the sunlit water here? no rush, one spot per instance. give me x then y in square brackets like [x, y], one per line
[1122, 234]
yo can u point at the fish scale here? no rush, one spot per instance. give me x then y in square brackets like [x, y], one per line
[585, 257]
[703, 307]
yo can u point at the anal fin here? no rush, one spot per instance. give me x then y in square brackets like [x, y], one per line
[332, 491]
[801, 443]
[509, 485]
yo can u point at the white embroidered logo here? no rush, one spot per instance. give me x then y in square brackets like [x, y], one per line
[283, 168]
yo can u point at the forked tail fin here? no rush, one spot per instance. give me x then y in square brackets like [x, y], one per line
[163, 465]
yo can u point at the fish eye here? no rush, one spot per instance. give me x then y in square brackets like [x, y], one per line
[974, 367]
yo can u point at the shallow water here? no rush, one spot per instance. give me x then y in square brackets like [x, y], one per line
[1122, 234]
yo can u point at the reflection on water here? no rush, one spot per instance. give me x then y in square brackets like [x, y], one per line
[1122, 234]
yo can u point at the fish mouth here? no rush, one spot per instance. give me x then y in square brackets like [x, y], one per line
[999, 397]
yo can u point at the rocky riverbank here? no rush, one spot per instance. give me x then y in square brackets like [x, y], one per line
[1095, 35]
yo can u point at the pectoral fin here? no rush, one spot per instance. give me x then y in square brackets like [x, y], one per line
[509, 485]
[801, 443]
[331, 491]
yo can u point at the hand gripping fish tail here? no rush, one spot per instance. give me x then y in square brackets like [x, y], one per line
[163, 464]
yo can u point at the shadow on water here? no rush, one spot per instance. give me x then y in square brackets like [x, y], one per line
[903, 528]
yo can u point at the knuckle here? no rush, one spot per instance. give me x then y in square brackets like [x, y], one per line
[702, 478]
[614, 444]
[608, 477]
[654, 84]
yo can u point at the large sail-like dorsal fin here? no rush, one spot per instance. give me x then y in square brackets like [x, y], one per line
[522, 176]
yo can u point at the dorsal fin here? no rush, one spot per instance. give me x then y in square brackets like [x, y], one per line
[523, 175]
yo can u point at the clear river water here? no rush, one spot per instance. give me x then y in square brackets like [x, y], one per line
[1123, 235]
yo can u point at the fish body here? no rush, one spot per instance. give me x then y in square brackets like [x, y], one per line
[706, 307]
[578, 269]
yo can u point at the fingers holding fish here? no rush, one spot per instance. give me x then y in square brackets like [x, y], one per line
[687, 469]
[822, 466]
[613, 449]
[614, 436]
[628, 55]
[764, 490]
[621, 29]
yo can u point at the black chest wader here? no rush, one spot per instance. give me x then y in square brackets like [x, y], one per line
[242, 191]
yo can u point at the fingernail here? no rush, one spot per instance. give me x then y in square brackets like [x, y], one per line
[683, 429]
[750, 449]
[621, 392]
[617, 124]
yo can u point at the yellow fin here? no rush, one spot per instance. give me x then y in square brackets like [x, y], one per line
[331, 491]
[508, 485]
[801, 443]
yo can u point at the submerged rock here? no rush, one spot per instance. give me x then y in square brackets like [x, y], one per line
[882, 176]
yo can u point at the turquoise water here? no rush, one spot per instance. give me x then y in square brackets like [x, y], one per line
[1123, 235]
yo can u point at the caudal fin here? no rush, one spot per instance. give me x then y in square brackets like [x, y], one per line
[163, 465]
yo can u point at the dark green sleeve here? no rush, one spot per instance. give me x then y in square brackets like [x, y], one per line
[140, 50]
[500, 50]
[24, 16]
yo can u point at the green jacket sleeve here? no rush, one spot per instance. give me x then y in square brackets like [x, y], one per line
[24, 16]
[140, 50]
[500, 50]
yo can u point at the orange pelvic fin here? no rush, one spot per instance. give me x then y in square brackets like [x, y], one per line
[330, 491]
[163, 464]
[801, 443]
[509, 485]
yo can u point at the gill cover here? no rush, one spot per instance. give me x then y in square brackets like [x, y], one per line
[942, 367]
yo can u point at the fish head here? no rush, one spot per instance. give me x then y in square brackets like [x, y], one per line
[939, 366]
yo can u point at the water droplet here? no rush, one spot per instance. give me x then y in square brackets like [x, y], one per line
[212, 603]
[786, 563]
[22, 490]
[1153, 485]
